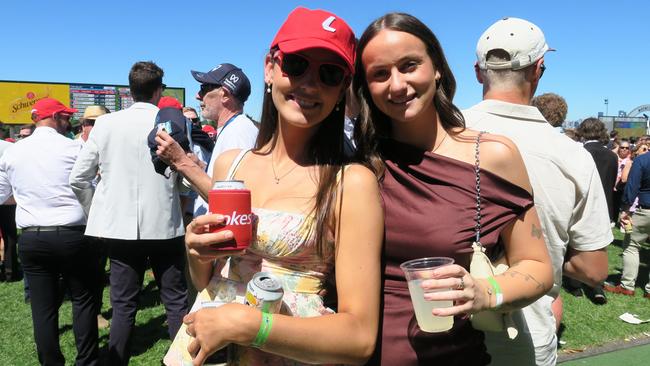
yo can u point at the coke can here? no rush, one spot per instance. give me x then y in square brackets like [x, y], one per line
[232, 200]
[264, 292]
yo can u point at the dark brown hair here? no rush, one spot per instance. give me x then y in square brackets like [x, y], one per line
[145, 78]
[593, 129]
[373, 124]
[325, 151]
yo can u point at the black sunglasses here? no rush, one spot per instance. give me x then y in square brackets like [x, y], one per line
[624, 147]
[542, 67]
[295, 65]
[206, 88]
[164, 86]
[195, 120]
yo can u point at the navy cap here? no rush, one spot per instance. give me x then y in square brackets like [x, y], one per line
[228, 76]
[175, 124]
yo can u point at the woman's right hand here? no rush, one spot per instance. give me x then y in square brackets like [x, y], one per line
[199, 240]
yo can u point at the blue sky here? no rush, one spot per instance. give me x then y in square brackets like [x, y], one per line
[602, 46]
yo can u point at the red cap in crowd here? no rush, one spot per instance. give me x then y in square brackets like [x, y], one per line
[306, 28]
[47, 107]
[209, 130]
[9, 139]
[169, 102]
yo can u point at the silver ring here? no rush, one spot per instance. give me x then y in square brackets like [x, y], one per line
[461, 285]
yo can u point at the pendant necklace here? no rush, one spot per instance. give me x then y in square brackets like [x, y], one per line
[275, 175]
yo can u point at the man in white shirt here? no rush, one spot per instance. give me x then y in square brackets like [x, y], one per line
[135, 209]
[568, 194]
[36, 170]
[9, 232]
[223, 92]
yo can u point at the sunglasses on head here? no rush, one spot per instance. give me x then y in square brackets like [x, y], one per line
[206, 88]
[296, 65]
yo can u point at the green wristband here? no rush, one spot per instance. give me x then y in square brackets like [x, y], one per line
[497, 291]
[265, 330]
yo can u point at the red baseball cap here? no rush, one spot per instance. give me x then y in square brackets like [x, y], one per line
[169, 102]
[208, 129]
[306, 28]
[47, 107]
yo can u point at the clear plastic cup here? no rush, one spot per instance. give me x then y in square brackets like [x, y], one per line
[416, 271]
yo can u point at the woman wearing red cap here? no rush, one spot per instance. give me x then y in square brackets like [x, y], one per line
[316, 213]
[428, 163]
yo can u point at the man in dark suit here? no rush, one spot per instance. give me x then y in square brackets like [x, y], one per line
[594, 135]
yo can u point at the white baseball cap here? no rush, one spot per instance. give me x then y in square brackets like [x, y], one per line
[521, 39]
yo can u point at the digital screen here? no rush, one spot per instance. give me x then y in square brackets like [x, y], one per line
[17, 98]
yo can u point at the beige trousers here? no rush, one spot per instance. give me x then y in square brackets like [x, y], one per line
[640, 232]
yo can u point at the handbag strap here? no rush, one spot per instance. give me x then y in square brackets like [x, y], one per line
[477, 170]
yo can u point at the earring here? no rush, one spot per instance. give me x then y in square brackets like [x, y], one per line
[268, 88]
[337, 107]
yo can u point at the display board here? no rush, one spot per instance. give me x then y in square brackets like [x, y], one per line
[18, 97]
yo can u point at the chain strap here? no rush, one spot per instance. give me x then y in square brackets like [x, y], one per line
[477, 170]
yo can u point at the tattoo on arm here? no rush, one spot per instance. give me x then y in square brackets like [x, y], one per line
[525, 276]
[536, 232]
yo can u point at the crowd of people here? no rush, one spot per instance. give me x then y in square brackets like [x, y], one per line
[357, 161]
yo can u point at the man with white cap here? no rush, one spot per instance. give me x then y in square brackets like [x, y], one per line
[568, 195]
[36, 170]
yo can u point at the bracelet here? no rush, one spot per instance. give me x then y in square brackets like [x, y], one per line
[265, 330]
[497, 291]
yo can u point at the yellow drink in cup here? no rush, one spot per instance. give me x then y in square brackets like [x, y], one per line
[416, 271]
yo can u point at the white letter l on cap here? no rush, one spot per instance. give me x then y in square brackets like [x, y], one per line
[327, 24]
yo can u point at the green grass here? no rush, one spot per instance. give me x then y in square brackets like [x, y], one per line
[588, 325]
[150, 340]
[585, 324]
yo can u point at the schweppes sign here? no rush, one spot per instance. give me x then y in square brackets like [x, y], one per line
[17, 99]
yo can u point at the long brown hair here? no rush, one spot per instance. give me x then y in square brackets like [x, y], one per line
[373, 124]
[325, 150]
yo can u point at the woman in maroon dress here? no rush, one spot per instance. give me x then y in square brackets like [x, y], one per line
[415, 137]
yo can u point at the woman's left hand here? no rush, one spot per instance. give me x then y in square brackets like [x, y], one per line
[214, 328]
[454, 283]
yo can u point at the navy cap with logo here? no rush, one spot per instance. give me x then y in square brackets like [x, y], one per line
[228, 76]
[175, 124]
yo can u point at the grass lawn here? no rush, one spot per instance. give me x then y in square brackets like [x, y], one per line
[150, 341]
[585, 324]
[588, 325]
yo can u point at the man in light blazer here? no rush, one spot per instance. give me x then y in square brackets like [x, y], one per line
[134, 209]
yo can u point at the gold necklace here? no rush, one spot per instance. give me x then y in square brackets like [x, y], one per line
[275, 175]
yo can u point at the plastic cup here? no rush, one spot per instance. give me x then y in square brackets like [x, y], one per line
[416, 271]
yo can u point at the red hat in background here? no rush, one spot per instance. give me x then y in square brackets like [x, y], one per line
[9, 139]
[306, 28]
[209, 130]
[169, 102]
[47, 107]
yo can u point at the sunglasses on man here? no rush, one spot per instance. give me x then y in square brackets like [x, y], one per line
[296, 65]
[206, 88]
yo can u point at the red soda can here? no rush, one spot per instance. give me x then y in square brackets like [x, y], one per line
[232, 200]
